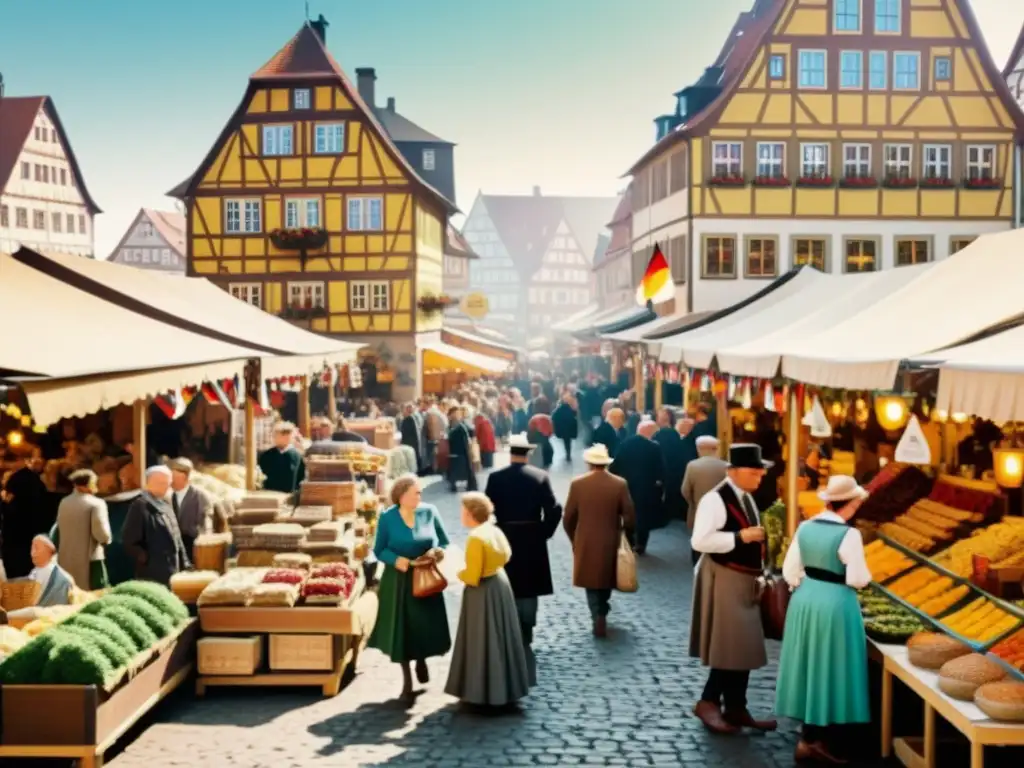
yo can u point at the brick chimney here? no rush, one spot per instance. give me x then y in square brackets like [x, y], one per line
[366, 77]
[536, 191]
[391, 104]
[320, 28]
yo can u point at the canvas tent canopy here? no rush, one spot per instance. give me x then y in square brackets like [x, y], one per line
[636, 334]
[437, 355]
[576, 321]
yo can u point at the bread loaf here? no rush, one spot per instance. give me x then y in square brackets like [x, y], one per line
[1001, 701]
[962, 676]
[930, 650]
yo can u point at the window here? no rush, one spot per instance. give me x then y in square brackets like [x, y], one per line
[677, 258]
[910, 251]
[777, 67]
[21, 218]
[358, 296]
[856, 161]
[46, 174]
[37, 133]
[306, 295]
[762, 253]
[814, 161]
[861, 256]
[677, 171]
[727, 159]
[938, 161]
[242, 216]
[71, 222]
[847, 15]
[719, 256]
[250, 293]
[810, 251]
[659, 181]
[63, 177]
[5, 216]
[26, 172]
[898, 159]
[851, 69]
[943, 69]
[887, 16]
[330, 138]
[165, 257]
[277, 139]
[812, 69]
[981, 162]
[957, 244]
[81, 225]
[38, 170]
[428, 159]
[878, 70]
[53, 135]
[302, 213]
[38, 220]
[300, 98]
[906, 71]
[55, 222]
[364, 214]
[370, 296]
[771, 159]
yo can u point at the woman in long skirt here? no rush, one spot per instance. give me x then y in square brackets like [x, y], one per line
[488, 666]
[409, 629]
[823, 679]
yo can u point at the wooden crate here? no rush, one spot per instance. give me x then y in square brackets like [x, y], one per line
[230, 655]
[304, 653]
[341, 497]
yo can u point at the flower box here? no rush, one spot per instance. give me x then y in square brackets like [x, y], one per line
[431, 304]
[815, 181]
[858, 182]
[727, 181]
[983, 184]
[299, 238]
[899, 182]
[300, 312]
[771, 181]
[937, 182]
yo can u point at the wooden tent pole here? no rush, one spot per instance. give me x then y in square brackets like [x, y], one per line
[249, 436]
[792, 463]
[304, 417]
[140, 413]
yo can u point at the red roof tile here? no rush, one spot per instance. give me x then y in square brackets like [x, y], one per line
[170, 225]
[456, 244]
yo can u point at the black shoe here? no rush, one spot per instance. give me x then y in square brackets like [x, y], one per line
[422, 674]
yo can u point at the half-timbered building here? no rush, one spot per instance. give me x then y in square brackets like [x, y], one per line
[853, 135]
[615, 284]
[154, 240]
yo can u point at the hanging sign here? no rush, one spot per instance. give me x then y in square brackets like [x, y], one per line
[913, 447]
[819, 424]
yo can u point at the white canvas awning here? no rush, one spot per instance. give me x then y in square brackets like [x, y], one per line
[636, 334]
[577, 321]
[483, 341]
[437, 354]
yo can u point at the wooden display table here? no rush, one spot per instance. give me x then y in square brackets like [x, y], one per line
[975, 725]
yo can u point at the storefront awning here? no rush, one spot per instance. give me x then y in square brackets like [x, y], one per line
[483, 343]
[577, 321]
[440, 356]
[620, 319]
[636, 334]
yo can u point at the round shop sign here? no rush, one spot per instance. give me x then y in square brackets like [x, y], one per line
[474, 305]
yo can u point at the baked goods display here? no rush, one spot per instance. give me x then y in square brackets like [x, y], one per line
[884, 561]
[959, 678]
[997, 542]
[1001, 701]
[234, 588]
[188, 585]
[930, 650]
[981, 621]
[330, 584]
[1011, 650]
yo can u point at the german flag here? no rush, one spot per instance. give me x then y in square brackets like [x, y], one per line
[656, 284]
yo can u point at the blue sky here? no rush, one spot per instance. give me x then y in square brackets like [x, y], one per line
[558, 93]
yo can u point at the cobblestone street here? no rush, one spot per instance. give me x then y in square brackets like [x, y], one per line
[624, 700]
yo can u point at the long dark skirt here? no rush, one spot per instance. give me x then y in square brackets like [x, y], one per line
[489, 666]
[409, 628]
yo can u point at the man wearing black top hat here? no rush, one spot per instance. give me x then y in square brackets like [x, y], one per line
[725, 629]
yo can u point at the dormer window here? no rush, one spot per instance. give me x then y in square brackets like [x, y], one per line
[681, 105]
[429, 160]
[777, 67]
[300, 98]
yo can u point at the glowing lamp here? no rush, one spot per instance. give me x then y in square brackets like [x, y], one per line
[892, 412]
[958, 418]
[15, 438]
[940, 416]
[837, 409]
[1009, 466]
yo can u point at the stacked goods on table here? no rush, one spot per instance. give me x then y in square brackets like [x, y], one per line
[893, 497]
[210, 551]
[329, 584]
[999, 542]
[982, 621]
[886, 621]
[330, 469]
[339, 496]
[331, 541]
[884, 561]
[188, 585]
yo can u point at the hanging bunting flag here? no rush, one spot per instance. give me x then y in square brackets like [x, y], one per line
[214, 394]
[673, 374]
[769, 398]
[747, 399]
[913, 447]
[730, 391]
[819, 423]
[656, 285]
[171, 404]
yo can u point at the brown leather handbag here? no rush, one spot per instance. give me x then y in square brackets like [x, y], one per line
[427, 579]
[773, 593]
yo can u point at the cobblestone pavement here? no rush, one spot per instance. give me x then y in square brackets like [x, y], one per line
[624, 700]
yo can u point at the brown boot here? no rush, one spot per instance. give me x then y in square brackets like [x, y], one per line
[709, 714]
[743, 719]
[601, 627]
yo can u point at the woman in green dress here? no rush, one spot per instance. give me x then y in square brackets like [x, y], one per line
[409, 629]
[823, 679]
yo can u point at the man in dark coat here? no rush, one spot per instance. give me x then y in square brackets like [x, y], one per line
[150, 535]
[282, 465]
[566, 422]
[411, 433]
[24, 516]
[528, 514]
[671, 445]
[460, 459]
[638, 461]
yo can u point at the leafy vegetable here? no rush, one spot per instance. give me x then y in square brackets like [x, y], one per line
[114, 652]
[139, 630]
[75, 660]
[108, 627]
[160, 623]
[25, 666]
[157, 595]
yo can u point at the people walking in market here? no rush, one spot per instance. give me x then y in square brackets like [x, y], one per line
[607, 433]
[639, 462]
[597, 510]
[488, 665]
[483, 427]
[24, 494]
[150, 535]
[527, 512]
[409, 629]
[460, 455]
[409, 429]
[725, 626]
[282, 465]
[823, 679]
[82, 532]
[435, 425]
[566, 423]
[671, 445]
[703, 475]
[539, 431]
[192, 506]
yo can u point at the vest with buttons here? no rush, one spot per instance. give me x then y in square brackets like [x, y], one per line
[746, 557]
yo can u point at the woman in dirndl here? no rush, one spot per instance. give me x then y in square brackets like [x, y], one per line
[823, 679]
[409, 629]
[489, 666]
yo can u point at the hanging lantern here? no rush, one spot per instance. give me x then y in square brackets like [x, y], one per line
[958, 418]
[837, 409]
[1009, 466]
[940, 416]
[892, 411]
[15, 438]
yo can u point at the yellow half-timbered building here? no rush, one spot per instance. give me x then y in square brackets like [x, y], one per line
[304, 207]
[854, 135]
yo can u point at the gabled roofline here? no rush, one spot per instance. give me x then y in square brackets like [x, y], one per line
[127, 234]
[76, 169]
[1015, 55]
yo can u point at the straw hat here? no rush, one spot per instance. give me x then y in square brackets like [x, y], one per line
[597, 455]
[842, 488]
[520, 442]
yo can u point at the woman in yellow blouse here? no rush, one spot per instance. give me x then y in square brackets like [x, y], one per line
[488, 665]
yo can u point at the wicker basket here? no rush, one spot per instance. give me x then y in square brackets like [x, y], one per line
[328, 469]
[20, 593]
[340, 497]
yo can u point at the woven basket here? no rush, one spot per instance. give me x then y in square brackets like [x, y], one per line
[340, 497]
[21, 593]
[320, 469]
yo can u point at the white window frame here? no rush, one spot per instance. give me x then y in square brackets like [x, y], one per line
[860, 164]
[774, 164]
[297, 212]
[250, 293]
[429, 159]
[248, 215]
[836, 15]
[732, 163]
[301, 99]
[843, 71]
[898, 15]
[815, 168]
[278, 140]
[359, 296]
[824, 69]
[941, 167]
[358, 213]
[380, 296]
[948, 62]
[317, 292]
[884, 71]
[329, 138]
[894, 168]
[916, 57]
[976, 165]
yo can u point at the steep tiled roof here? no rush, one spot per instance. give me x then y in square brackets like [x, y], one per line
[17, 117]
[400, 128]
[624, 209]
[171, 227]
[456, 244]
[1015, 55]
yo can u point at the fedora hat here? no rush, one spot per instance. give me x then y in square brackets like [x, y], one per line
[597, 455]
[520, 442]
[747, 456]
[842, 488]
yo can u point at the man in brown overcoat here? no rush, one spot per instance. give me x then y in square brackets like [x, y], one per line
[597, 510]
